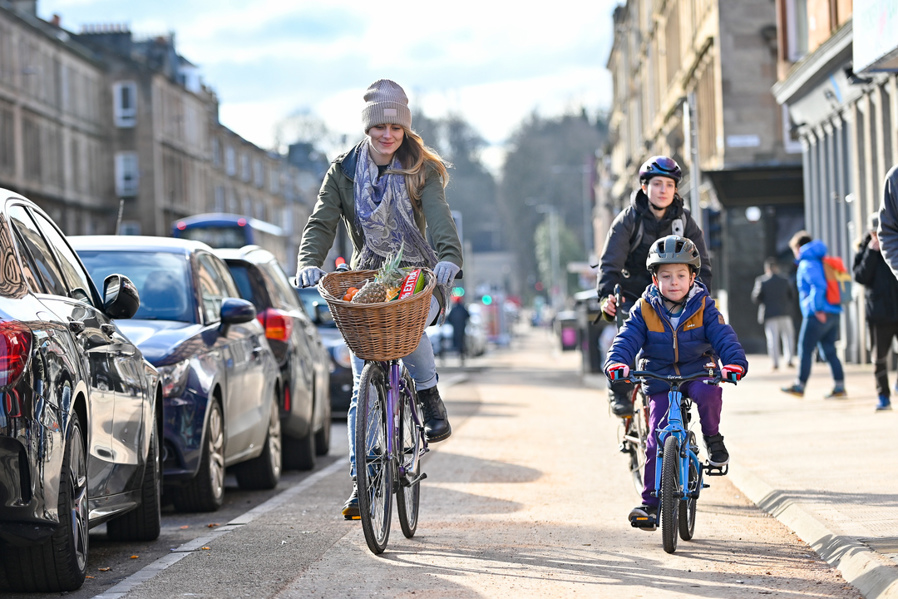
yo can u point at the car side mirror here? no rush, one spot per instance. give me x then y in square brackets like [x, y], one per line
[236, 311]
[120, 297]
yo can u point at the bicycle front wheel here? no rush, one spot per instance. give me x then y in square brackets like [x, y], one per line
[687, 509]
[410, 441]
[670, 485]
[374, 468]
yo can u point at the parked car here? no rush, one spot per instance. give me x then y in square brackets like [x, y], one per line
[340, 356]
[220, 381]
[303, 361]
[80, 414]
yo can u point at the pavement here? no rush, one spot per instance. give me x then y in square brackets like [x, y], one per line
[825, 468]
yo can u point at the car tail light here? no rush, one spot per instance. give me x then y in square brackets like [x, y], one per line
[287, 402]
[278, 326]
[15, 349]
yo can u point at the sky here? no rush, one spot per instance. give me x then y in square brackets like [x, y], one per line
[494, 62]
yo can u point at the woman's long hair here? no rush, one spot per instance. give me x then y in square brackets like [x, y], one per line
[413, 155]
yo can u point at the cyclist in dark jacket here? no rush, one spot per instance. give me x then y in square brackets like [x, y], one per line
[655, 210]
[880, 299]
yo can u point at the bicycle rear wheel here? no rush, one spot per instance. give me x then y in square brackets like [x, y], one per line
[670, 503]
[687, 508]
[637, 433]
[409, 495]
[374, 468]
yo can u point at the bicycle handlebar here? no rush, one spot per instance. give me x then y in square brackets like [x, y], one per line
[679, 379]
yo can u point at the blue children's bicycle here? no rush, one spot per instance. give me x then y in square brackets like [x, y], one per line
[679, 474]
[389, 429]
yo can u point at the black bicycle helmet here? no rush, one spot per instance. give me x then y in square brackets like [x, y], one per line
[660, 166]
[673, 249]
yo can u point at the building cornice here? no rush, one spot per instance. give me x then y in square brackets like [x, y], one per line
[815, 66]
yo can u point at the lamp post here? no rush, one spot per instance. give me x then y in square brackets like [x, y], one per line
[556, 292]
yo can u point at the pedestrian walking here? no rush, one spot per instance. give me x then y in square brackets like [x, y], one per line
[676, 328]
[458, 318]
[774, 294]
[888, 220]
[655, 210]
[820, 319]
[880, 300]
[388, 190]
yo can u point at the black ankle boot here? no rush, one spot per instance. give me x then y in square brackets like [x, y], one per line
[436, 420]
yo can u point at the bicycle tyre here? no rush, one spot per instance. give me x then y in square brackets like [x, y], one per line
[689, 505]
[408, 498]
[670, 503]
[374, 469]
[638, 428]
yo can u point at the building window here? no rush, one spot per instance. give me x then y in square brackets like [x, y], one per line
[130, 227]
[126, 175]
[216, 153]
[230, 161]
[219, 202]
[245, 173]
[796, 29]
[125, 100]
[258, 174]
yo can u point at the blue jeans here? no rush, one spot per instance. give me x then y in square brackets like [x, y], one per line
[421, 366]
[823, 336]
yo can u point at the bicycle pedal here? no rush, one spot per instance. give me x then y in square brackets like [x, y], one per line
[624, 447]
[643, 522]
[717, 470]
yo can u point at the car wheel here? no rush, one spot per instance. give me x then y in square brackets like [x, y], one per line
[145, 522]
[264, 472]
[323, 436]
[60, 563]
[205, 493]
[299, 454]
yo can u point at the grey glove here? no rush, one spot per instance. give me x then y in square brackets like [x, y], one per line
[445, 272]
[309, 276]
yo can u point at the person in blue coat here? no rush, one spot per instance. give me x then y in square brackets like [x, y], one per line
[676, 328]
[820, 319]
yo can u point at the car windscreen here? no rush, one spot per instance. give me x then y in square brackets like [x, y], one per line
[162, 280]
[310, 297]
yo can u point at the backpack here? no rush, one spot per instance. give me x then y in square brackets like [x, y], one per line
[838, 281]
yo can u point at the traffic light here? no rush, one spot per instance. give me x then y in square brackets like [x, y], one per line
[487, 300]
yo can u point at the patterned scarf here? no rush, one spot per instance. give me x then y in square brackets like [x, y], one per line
[384, 214]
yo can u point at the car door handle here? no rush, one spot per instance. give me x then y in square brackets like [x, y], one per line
[76, 326]
[108, 328]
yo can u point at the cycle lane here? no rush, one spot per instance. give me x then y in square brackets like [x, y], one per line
[528, 497]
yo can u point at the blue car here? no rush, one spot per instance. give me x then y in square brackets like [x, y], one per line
[220, 381]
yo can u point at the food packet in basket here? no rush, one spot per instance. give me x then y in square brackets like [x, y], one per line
[412, 284]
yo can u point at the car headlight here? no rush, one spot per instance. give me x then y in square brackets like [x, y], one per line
[174, 378]
[341, 355]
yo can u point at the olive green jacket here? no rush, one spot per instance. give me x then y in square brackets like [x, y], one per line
[336, 201]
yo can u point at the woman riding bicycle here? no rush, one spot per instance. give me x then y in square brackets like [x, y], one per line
[388, 190]
[655, 210]
[675, 328]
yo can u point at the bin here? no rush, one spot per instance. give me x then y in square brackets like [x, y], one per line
[588, 310]
[567, 328]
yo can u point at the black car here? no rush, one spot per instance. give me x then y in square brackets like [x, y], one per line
[80, 409]
[303, 361]
[341, 357]
[220, 381]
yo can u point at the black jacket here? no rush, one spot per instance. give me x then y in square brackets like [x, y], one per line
[775, 296]
[880, 285]
[618, 261]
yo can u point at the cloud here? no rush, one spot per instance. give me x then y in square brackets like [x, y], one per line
[491, 62]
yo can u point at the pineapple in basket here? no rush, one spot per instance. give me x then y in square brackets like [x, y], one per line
[386, 282]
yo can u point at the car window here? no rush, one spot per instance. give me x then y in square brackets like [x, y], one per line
[162, 280]
[228, 288]
[284, 296]
[241, 274]
[36, 247]
[16, 280]
[78, 281]
[211, 286]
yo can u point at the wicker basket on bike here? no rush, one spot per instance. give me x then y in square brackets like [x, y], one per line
[380, 331]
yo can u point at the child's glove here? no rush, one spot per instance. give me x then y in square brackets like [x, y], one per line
[617, 371]
[732, 372]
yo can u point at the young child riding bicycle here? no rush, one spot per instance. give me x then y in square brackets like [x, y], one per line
[675, 328]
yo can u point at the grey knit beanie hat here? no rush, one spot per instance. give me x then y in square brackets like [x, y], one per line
[386, 102]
